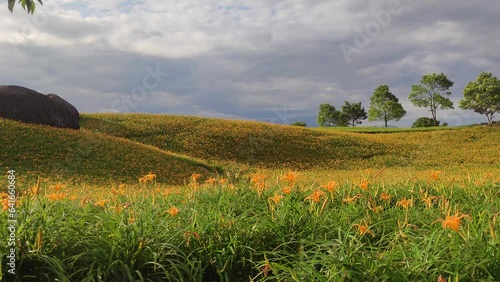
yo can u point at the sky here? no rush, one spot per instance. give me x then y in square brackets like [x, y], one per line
[271, 61]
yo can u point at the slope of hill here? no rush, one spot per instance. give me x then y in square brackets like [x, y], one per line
[278, 146]
[34, 150]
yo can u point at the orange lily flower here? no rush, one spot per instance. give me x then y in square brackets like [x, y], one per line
[364, 229]
[173, 211]
[315, 196]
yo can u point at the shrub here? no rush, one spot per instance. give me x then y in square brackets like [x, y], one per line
[300, 123]
[424, 122]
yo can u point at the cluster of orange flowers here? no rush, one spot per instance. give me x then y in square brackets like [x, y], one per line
[150, 177]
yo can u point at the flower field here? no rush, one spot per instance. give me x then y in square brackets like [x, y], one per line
[262, 228]
[171, 198]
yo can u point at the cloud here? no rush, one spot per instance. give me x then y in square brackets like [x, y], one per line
[263, 60]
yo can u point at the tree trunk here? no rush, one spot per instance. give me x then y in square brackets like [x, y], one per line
[434, 117]
[490, 118]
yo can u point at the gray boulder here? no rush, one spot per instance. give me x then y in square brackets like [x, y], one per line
[26, 105]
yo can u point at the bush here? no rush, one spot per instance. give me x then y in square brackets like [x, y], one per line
[444, 124]
[300, 123]
[424, 122]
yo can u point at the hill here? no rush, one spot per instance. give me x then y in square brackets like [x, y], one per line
[34, 150]
[264, 145]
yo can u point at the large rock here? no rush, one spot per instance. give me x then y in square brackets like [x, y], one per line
[26, 105]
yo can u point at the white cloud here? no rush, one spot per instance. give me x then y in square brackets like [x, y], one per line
[242, 58]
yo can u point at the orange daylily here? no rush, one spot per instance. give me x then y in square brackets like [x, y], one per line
[364, 185]
[385, 197]
[150, 177]
[286, 190]
[58, 186]
[195, 176]
[291, 177]
[173, 211]
[101, 203]
[222, 181]
[435, 175]
[315, 196]
[453, 222]
[364, 229]
[331, 186]
[405, 203]
[276, 199]
[211, 181]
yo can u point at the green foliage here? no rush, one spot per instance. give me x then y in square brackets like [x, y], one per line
[384, 106]
[300, 123]
[425, 122]
[482, 96]
[354, 113]
[28, 5]
[328, 116]
[431, 93]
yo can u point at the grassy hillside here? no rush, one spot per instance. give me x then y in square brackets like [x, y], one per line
[34, 150]
[278, 146]
[250, 143]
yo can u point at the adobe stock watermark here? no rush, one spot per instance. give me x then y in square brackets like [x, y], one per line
[372, 29]
[150, 82]
[11, 222]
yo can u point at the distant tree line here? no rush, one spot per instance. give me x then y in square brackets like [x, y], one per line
[481, 96]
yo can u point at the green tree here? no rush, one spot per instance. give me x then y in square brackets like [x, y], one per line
[28, 5]
[431, 93]
[326, 115]
[353, 113]
[482, 96]
[384, 106]
[425, 122]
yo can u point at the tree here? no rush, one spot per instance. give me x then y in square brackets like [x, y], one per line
[424, 122]
[353, 113]
[300, 123]
[384, 106]
[326, 115]
[482, 96]
[28, 5]
[431, 93]
[329, 116]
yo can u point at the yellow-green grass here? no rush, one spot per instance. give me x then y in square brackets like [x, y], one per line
[262, 145]
[34, 150]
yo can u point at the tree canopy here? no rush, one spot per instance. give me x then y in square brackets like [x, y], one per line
[384, 106]
[354, 113]
[28, 5]
[482, 96]
[431, 93]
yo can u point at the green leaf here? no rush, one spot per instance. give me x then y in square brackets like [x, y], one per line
[11, 5]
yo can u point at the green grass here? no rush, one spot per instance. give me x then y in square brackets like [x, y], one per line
[81, 155]
[239, 234]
